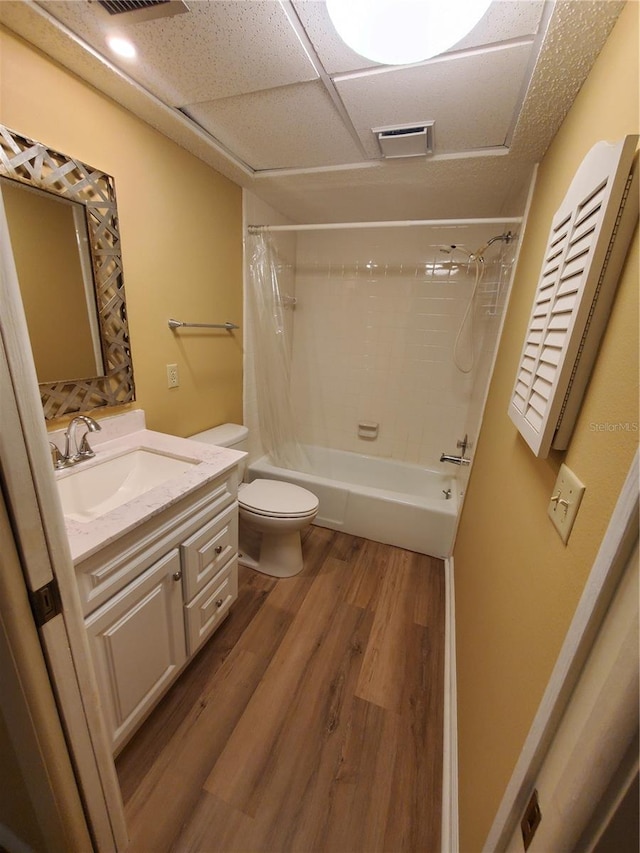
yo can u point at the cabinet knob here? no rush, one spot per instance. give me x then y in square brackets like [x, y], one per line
[177, 576]
[219, 602]
[218, 549]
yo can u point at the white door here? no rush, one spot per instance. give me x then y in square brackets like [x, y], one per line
[42, 549]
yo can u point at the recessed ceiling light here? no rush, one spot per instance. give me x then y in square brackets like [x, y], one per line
[398, 32]
[122, 47]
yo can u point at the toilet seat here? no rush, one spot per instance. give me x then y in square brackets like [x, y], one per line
[276, 499]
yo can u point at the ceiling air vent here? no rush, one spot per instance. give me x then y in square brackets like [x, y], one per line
[143, 10]
[406, 140]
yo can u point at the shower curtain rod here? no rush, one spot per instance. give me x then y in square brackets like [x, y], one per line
[402, 223]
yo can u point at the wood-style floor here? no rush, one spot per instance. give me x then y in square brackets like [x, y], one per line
[311, 721]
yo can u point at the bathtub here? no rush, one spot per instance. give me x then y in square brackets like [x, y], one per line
[391, 502]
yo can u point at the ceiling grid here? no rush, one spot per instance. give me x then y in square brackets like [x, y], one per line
[265, 91]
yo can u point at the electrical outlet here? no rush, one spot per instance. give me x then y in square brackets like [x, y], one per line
[173, 380]
[565, 501]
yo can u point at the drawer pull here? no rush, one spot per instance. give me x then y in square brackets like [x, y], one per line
[218, 549]
[177, 576]
[219, 602]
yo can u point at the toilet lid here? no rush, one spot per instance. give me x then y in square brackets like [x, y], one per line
[275, 498]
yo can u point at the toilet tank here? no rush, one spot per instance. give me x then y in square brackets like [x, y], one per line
[235, 436]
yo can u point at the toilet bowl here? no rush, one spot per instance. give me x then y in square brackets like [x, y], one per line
[272, 513]
[279, 512]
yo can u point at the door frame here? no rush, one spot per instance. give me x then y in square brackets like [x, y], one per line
[38, 529]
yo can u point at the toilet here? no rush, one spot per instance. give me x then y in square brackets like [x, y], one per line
[272, 512]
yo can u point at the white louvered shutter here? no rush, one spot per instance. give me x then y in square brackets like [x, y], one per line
[585, 251]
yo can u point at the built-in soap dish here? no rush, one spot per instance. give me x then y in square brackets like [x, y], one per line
[368, 430]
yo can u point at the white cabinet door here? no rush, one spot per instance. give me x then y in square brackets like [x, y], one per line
[138, 644]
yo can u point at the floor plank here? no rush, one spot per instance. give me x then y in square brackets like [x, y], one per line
[311, 721]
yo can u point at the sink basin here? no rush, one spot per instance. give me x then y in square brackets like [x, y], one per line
[88, 493]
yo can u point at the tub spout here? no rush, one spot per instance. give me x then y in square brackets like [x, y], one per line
[456, 460]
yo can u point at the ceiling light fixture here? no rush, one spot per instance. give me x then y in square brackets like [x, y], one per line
[122, 47]
[398, 32]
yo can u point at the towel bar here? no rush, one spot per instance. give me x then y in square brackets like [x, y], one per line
[176, 324]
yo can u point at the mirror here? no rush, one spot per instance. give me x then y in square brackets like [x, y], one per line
[69, 346]
[63, 225]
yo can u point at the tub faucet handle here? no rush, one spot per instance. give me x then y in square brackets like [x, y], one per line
[463, 444]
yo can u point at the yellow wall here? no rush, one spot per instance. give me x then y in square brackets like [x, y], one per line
[517, 585]
[181, 229]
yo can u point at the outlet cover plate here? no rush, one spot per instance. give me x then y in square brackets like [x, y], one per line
[565, 501]
[173, 380]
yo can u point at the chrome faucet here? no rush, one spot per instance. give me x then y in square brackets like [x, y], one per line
[458, 460]
[72, 451]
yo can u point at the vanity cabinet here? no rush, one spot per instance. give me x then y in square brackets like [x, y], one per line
[152, 597]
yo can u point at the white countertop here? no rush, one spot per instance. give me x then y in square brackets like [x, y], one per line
[86, 538]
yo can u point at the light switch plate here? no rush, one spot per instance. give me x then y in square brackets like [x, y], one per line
[565, 501]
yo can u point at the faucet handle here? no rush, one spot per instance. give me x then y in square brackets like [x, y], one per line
[464, 444]
[85, 450]
[57, 458]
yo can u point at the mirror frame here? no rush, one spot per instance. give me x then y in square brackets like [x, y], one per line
[32, 163]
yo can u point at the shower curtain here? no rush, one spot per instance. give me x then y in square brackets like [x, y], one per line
[272, 356]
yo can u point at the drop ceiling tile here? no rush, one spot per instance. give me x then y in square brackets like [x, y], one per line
[472, 99]
[216, 50]
[504, 19]
[289, 127]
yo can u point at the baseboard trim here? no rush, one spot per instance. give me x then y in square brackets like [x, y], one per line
[450, 838]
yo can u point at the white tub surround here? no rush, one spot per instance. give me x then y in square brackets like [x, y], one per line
[380, 308]
[391, 502]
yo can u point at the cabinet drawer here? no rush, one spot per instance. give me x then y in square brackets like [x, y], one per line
[138, 645]
[208, 550]
[210, 606]
[103, 574]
